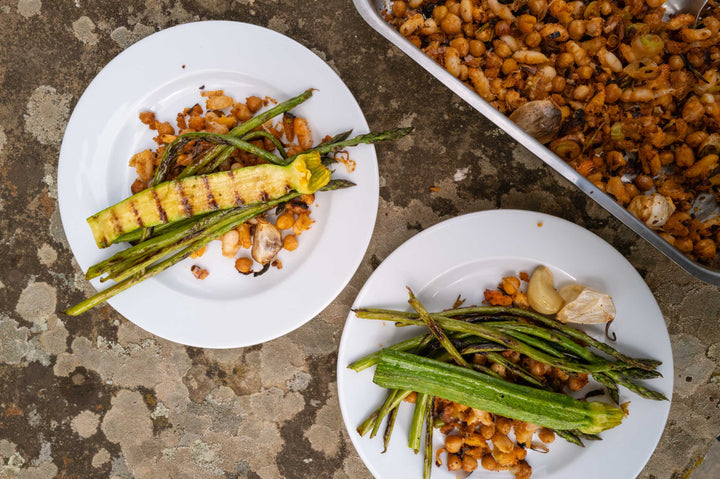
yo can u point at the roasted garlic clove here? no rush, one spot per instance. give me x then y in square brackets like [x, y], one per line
[541, 293]
[267, 242]
[589, 307]
[653, 210]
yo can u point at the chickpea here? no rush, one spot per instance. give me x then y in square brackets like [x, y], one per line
[576, 29]
[576, 383]
[487, 431]
[502, 28]
[585, 72]
[675, 62]
[564, 60]
[453, 462]
[503, 425]
[519, 452]
[290, 242]
[489, 463]
[439, 12]
[399, 8]
[685, 245]
[582, 92]
[644, 182]
[547, 436]
[415, 3]
[684, 156]
[415, 40]
[502, 442]
[477, 48]
[696, 57]
[693, 110]
[453, 443]
[522, 470]
[462, 45]
[499, 368]
[532, 39]
[538, 8]
[537, 368]
[554, 32]
[285, 221]
[558, 84]
[502, 49]
[254, 103]
[526, 23]
[493, 61]
[451, 24]
[244, 265]
[612, 93]
[504, 458]
[469, 463]
[594, 26]
[695, 139]
[453, 7]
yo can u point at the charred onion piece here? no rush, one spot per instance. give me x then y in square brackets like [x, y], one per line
[267, 242]
[540, 119]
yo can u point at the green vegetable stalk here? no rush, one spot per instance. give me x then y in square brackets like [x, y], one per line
[399, 370]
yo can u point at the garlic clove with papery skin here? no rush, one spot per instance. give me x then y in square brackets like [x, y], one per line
[570, 292]
[653, 210]
[589, 307]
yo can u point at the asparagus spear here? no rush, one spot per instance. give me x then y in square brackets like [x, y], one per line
[389, 428]
[489, 311]
[215, 157]
[220, 227]
[416, 425]
[427, 466]
[436, 330]
[511, 343]
[201, 240]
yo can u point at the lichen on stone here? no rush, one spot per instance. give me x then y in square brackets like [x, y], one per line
[47, 114]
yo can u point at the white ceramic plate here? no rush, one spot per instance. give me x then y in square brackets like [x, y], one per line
[163, 73]
[468, 254]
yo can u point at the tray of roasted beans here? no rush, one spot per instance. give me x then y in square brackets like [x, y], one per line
[622, 98]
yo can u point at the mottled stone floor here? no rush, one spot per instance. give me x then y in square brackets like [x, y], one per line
[95, 396]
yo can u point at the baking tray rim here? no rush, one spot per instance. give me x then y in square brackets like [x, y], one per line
[371, 14]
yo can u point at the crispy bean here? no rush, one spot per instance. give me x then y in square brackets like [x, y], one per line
[412, 25]
[526, 23]
[451, 24]
[452, 61]
[477, 48]
[532, 39]
[530, 57]
[576, 29]
[469, 463]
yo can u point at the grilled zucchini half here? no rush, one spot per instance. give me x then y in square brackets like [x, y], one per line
[178, 199]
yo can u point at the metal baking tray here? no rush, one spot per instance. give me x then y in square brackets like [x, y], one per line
[371, 11]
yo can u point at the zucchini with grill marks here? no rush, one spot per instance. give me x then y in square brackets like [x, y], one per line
[178, 199]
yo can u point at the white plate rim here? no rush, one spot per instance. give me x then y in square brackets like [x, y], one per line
[369, 450]
[281, 316]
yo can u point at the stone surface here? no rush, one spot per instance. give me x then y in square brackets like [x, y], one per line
[96, 396]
